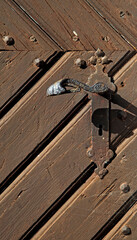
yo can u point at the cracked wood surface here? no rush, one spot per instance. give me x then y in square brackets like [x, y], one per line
[46, 178]
[90, 209]
[121, 15]
[60, 18]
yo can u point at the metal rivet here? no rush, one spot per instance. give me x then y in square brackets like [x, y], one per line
[122, 115]
[110, 154]
[33, 39]
[8, 40]
[38, 62]
[92, 60]
[102, 173]
[80, 63]
[126, 230]
[99, 60]
[90, 152]
[124, 187]
[75, 37]
[99, 53]
[122, 14]
[106, 39]
[105, 60]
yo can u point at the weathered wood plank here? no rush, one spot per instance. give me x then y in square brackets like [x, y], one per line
[129, 220]
[29, 121]
[60, 19]
[46, 178]
[16, 67]
[90, 210]
[122, 15]
[124, 100]
[16, 25]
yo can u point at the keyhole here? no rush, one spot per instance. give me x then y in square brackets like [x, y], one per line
[100, 130]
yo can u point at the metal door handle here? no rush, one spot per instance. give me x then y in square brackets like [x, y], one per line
[59, 87]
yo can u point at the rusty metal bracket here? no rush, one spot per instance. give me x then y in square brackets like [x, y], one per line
[97, 86]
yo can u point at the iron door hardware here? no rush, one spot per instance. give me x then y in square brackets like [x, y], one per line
[99, 88]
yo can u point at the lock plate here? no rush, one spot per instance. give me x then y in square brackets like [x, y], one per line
[100, 134]
[99, 88]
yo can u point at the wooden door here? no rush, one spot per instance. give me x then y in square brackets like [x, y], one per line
[50, 186]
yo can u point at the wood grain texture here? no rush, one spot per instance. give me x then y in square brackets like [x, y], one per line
[29, 122]
[16, 24]
[60, 18]
[129, 220]
[122, 15]
[98, 202]
[46, 178]
[125, 100]
[16, 67]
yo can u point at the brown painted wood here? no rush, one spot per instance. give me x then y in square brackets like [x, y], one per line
[46, 178]
[90, 209]
[122, 15]
[16, 24]
[60, 18]
[16, 67]
[129, 220]
[29, 121]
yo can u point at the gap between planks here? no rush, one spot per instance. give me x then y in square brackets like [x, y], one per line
[39, 158]
[111, 25]
[92, 179]
[35, 88]
[125, 219]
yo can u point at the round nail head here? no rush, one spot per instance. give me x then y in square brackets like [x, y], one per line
[8, 40]
[99, 53]
[33, 39]
[105, 60]
[38, 62]
[75, 38]
[126, 230]
[80, 63]
[124, 187]
[92, 60]
[90, 152]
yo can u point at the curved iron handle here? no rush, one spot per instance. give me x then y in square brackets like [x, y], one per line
[59, 87]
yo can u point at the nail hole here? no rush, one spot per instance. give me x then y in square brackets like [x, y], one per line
[122, 14]
[100, 130]
[122, 84]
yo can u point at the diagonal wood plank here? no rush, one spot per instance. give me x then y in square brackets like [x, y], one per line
[129, 220]
[92, 208]
[16, 67]
[62, 20]
[46, 178]
[121, 15]
[125, 101]
[24, 32]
